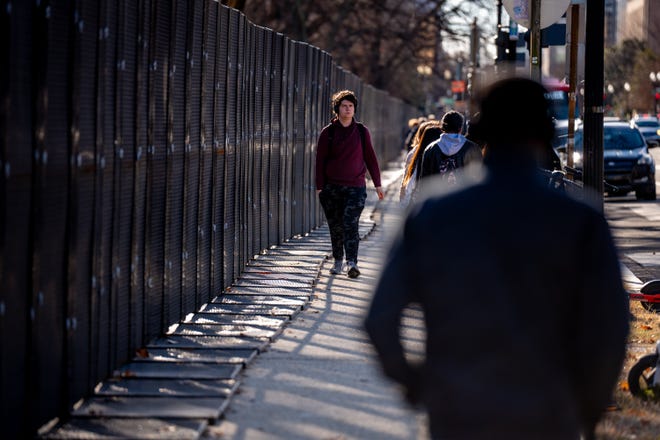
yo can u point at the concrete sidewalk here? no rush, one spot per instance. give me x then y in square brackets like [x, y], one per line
[320, 379]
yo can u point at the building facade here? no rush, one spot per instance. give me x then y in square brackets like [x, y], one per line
[611, 25]
[642, 21]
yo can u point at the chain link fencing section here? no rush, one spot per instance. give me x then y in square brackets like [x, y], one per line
[148, 150]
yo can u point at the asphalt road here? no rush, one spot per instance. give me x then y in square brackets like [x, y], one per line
[636, 228]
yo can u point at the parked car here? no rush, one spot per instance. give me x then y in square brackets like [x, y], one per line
[628, 165]
[649, 126]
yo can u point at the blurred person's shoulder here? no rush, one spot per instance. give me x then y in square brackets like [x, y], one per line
[436, 199]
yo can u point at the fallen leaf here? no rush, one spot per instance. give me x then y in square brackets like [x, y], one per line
[142, 353]
[646, 327]
[624, 386]
[128, 373]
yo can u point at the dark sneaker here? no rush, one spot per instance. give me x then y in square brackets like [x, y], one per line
[337, 267]
[353, 271]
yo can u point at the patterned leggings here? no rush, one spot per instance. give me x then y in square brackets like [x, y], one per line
[343, 206]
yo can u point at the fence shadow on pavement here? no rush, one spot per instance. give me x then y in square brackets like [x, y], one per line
[320, 379]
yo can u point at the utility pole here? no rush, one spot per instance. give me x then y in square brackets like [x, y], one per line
[474, 60]
[593, 103]
[572, 82]
[535, 40]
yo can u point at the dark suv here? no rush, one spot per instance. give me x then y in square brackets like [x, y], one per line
[628, 165]
[649, 126]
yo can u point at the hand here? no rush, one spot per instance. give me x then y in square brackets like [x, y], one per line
[379, 191]
[318, 191]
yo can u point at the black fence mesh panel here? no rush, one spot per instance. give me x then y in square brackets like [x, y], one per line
[96, 176]
[231, 130]
[46, 241]
[81, 196]
[148, 150]
[199, 147]
[219, 151]
[308, 160]
[157, 166]
[245, 50]
[275, 108]
[257, 148]
[298, 156]
[251, 167]
[191, 157]
[127, 16]
[175, 152]
[14, 113]
[106, 92]
[138, 213]
[283, 119]
[288, 141]
[205, 206]
[15, 178]
[266, 189]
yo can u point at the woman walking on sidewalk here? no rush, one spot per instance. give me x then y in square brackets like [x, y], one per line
[343, 156]
[428, 132]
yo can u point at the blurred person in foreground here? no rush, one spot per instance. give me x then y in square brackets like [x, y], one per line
[343, 156]
[524, 307]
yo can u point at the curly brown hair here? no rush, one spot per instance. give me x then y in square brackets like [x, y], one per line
[343, 95]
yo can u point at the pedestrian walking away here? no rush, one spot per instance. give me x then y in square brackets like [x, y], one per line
[428, 132]
[525, 312]
[343, 157]
[450, 152]
[413, 125]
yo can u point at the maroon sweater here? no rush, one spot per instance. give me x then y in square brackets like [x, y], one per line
[345, 162]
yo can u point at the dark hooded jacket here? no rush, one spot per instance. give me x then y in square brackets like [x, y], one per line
[524, 307]
[449, 145]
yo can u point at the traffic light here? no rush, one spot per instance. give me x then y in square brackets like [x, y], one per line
[506, 47]
[512, 50]
[501, 42]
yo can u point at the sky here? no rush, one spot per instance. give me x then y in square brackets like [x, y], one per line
[487, 22]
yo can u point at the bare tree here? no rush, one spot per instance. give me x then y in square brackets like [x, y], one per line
[383, 41]
[236, 4]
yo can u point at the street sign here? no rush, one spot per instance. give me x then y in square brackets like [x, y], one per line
[458, 86]
[521, 10]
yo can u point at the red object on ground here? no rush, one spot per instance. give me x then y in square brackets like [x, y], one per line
[649, 293]
[649, 298]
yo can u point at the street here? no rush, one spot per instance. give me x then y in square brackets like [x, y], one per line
[636, 227]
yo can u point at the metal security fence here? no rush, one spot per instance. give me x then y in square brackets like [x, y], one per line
[148, 150]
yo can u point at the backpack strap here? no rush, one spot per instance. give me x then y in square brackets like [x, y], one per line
[363, 135]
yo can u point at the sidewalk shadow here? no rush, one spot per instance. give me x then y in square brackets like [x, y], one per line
[321, 378]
